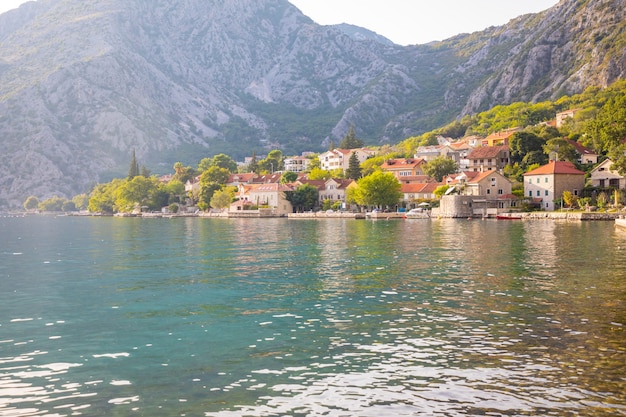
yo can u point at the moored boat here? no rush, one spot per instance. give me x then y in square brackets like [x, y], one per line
[509, 216]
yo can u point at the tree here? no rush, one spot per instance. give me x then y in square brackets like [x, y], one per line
[145, 172]
[514, 172]
[81, 201]
[133, 170]
[354, 167]
[288, 177]
[68, 206]
[175, 189]
[139, 192]
[441, 190]
[224, 161]
[378, 189]
[439, 167]
[569, 198]
[560, 149]
[222, 199]
[215, 174]
[522, 143]
[350, 141]
[102, 198]
[52, 204]
[534, 158]
[303, 198]
[253, 166]
[319, 174]
[31, 203]
[608, 129]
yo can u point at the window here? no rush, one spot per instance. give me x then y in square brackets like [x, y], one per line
[576, 192]
[500, 191]
[488, 191]
[538, 193]
[546, 180]
[493, 182]
[530, 193]
[546, 193]
[538, 180]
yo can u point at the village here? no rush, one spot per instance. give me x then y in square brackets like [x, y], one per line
[478, 189]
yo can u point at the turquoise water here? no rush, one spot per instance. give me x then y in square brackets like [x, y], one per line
[277, 317]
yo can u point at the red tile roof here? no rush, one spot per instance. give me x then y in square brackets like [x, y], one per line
[484, 152]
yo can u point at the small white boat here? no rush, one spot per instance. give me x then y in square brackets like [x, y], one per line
[418, 213]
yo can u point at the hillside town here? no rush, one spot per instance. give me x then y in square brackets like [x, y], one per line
[478, 187]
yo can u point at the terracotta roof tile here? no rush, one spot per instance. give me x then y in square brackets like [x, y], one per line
[487, 152]
[556, 167]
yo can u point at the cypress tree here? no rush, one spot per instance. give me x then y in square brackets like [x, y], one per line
[354, 167]
[133, 170]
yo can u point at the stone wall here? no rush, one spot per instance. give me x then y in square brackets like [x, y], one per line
[455, 206]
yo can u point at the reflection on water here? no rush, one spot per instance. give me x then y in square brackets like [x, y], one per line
[302, 318]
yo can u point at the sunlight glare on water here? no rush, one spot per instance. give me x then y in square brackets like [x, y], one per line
[110, 316]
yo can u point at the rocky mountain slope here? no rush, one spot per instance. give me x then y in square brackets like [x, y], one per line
[83, 82]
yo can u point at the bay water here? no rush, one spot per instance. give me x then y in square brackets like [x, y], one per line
[334, 317]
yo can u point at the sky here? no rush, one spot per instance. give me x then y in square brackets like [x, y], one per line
[408, 22]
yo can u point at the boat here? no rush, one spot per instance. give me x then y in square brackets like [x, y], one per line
[509, 216]
[620, 223]
[417, 213]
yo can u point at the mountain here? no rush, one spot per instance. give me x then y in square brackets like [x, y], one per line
[84, 82]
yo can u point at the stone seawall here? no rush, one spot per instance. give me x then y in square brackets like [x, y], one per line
[324, 215]
[564, 215]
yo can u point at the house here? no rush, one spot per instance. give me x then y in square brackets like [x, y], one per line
[340, 158]
[548, 182]
[488, 158]
[192, 186]
[335, 189]
[267, 179]
[500, 138]
[604, 176]
[402, 168]
[460, 178]
[271, 195]
[418, 191]
[586, 155]
[564, 115]
[235, 180]
[297, 164]
[416, 179]
[495, 188]
[427, 153]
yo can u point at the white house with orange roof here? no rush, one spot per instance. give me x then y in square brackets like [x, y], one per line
[418, 191]
[404, 167]
[548, 182]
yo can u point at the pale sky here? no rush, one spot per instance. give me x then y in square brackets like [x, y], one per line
[408, 22]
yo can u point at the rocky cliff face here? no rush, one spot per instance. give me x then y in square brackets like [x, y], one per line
[82, 82]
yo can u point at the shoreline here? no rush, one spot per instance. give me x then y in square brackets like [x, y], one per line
[539, 215]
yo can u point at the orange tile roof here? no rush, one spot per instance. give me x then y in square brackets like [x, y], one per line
[556, 167]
